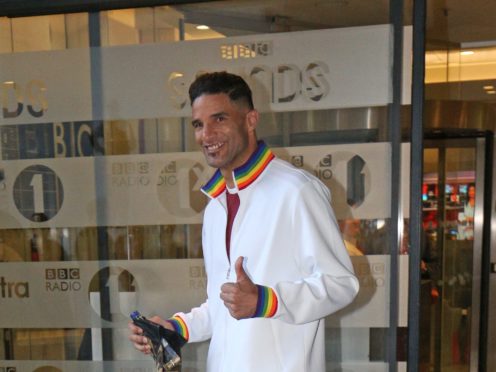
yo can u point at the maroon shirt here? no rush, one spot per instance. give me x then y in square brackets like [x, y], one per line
[232, 209]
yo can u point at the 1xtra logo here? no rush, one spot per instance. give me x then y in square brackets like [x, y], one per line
[62, 280]
[117, 287]
[178, 187]
[13, 289]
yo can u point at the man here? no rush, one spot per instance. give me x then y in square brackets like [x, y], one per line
[274, 257]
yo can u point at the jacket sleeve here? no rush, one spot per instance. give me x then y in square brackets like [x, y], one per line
[194, 326]
[328, 282]
[198, 322]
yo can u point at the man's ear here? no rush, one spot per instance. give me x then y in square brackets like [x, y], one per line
[252, 118]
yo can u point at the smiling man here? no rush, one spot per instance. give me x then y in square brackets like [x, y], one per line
[225, 131]
[275, 260]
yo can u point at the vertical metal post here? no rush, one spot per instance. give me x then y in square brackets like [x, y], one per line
[184, 147]
[102, 236]
[485, 261]
[396, 225]
[440, 243]
[488, 336]
[478, 254]
[184, 132]
[416, 167]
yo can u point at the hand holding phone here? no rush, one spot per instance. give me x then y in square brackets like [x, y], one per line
[165, 344]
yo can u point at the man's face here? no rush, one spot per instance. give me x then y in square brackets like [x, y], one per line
[223, 130]
[471, 192]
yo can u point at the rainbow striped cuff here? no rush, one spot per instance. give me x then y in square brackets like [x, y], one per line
[179, 326]
[266, 303]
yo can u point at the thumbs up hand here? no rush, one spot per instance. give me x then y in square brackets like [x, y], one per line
[241, 297]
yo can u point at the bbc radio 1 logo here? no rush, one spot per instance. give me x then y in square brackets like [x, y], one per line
[113, 293]
[62, 280]
[38, 193]
[348, 176]
[179, 187]
[323, 170]
[131, 174]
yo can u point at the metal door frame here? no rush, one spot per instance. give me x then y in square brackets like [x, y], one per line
[478, 248]
[490, 236]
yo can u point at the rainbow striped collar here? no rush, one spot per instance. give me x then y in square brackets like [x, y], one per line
[244, 175]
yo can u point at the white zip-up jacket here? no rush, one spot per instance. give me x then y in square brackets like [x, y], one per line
[287, 232]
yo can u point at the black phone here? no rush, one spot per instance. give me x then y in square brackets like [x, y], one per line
[165, 344]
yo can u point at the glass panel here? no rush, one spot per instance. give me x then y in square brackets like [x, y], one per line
[139, 26]
[460, 77]
[447, 259]
[44, 33]
[460, 93]
[98, 146]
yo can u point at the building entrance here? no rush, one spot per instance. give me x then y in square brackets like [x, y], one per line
[455, 251]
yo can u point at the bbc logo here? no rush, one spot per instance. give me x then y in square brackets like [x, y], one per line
[246, 50]
[61, 274]
[8, 369]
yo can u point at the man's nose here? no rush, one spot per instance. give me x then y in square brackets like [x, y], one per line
[208, 130]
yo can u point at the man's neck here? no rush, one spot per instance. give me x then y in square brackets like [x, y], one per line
[228, 177]
[227, 173]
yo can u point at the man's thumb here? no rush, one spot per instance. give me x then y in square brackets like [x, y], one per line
[240, 271]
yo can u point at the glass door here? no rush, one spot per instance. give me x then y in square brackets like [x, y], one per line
[452, 196]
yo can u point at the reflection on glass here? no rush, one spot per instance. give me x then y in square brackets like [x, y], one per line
[46, 344]
[44, 33]
[365, 237]
[446, 289]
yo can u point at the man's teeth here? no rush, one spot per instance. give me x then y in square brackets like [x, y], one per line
[213, 147]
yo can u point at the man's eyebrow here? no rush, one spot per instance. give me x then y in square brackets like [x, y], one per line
[217, 114]
[214, 116]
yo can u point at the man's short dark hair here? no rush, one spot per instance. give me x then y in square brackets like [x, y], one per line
[221, 82]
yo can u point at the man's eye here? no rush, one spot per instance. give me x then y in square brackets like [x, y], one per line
[220, 119]
[196, 125]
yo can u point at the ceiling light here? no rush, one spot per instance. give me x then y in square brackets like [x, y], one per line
[202, 27]
[467, 52]
[488, 87]
[491, 92]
